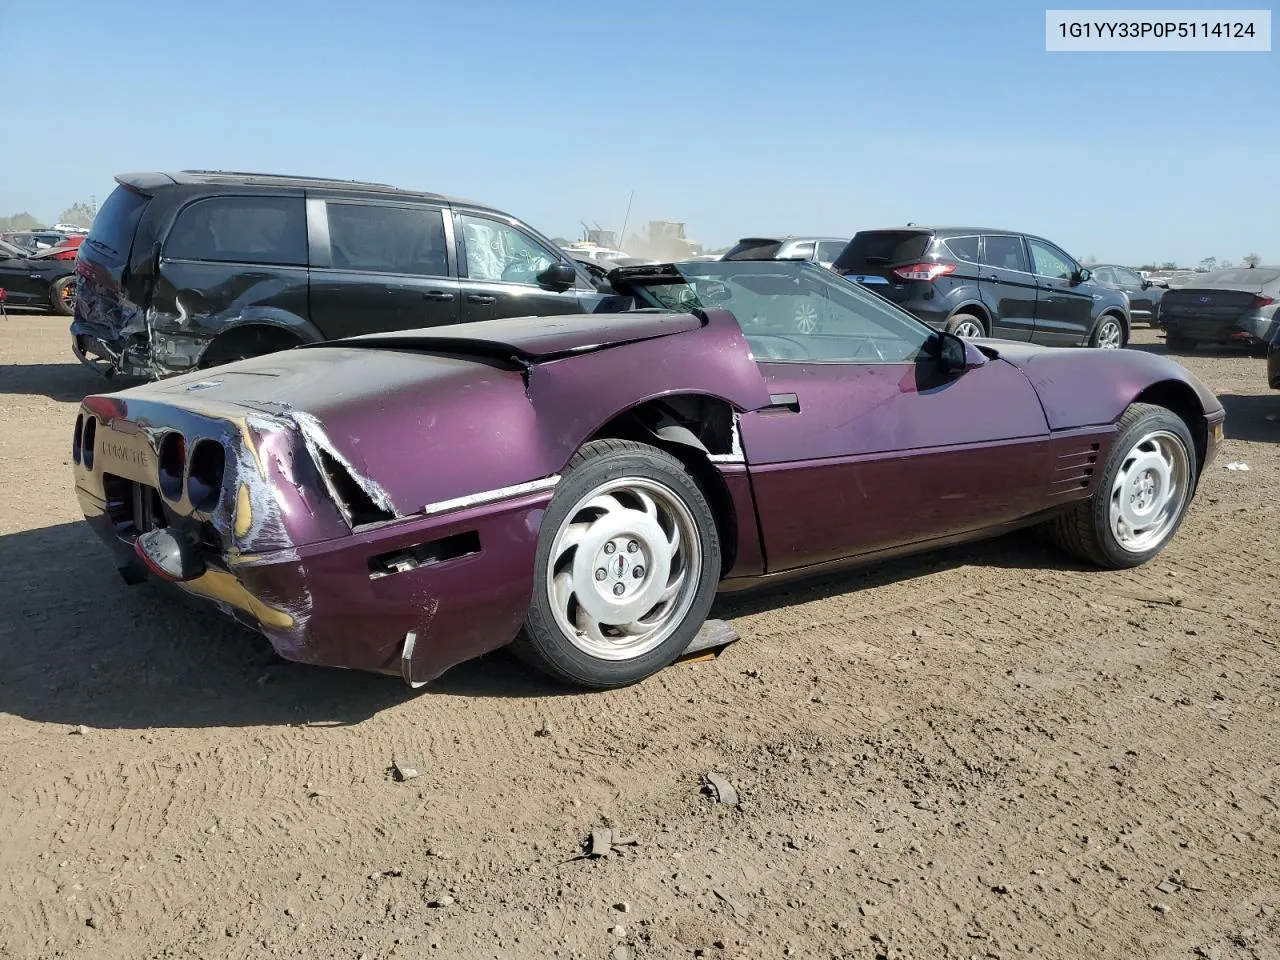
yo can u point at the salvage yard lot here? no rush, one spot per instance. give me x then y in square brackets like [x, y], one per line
[990, 752]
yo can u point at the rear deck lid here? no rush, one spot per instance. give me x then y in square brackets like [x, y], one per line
[533, 338]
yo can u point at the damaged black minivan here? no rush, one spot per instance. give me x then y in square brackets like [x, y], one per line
[194, 269]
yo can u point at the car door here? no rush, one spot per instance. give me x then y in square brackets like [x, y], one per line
[1064, 305]
[381, 265]
[1007, 286]
[499, 265]
[868, 446]
[1142, 295]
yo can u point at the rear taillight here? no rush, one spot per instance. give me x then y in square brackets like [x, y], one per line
[173, 465]
[76, 438]
[927, 272]
[1261, 301]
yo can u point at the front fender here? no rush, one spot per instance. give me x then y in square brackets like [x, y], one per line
[1084, 387]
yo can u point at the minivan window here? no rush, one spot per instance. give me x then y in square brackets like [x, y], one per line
[269, 230]
[963, 248]
[498, 251]
[116, 223]
[870, 250]
[1049, 261]
[388, 239]
[1004, 252]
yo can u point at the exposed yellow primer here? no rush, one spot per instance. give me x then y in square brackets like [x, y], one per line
[220, 585]
[244, 511]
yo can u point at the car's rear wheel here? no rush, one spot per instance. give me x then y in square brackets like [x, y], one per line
[1108, 334]
[1176, 341]
[627, 564]
[62, 295]
[966, 325]
[1143, 492]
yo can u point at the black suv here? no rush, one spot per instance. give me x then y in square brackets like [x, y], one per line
[194, 269]
[988, 283]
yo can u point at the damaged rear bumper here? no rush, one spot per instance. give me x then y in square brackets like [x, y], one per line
[460, 582]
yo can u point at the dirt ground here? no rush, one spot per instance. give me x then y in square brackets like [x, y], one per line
[988, 752]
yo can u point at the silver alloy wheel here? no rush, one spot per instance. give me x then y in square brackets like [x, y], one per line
[624, 568]
[1149, 491]
[969, 329]
[1110, 336]
[806, 317]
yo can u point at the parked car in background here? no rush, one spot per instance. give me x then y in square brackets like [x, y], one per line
[978, 282]
[199, 268]
[33, 241]
[1143, 293]
[1273, 361]
[70, 229]
[1237, 305]
[36, 281]
[66, 249]
[581, 486]
[820, 250]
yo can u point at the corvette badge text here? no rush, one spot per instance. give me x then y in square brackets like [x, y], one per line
[1168, 31]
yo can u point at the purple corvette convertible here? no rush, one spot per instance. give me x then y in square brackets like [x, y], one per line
[583, 485]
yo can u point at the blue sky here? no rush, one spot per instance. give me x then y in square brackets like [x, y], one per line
[737, 116]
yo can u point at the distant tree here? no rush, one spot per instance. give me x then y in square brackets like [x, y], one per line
[1168, 265]
[560, 241]
[80, 214]
[1090, 260]
[1251, 260]
[1148, 266]
[1224, 264]
[1208, 263]
[19, 221]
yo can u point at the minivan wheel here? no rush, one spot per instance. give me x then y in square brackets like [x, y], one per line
[966, 325]
[62, 295]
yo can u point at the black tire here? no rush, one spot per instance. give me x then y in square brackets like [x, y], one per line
[543, 643]
[1176, 341]
[1095, 338]
[62, 295]
[961, 319]
[1084, 530]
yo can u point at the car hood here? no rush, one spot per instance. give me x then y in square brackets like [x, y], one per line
[1081, 386]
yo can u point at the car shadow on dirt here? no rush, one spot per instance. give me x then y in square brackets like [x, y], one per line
[64, 382]
[1252, 417]
[78, 646]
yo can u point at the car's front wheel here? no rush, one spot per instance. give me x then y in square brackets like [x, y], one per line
[627, 565]
[1143, 492]
[62, 295]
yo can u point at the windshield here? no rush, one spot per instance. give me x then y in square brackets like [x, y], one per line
[8, 249]
[789, 311]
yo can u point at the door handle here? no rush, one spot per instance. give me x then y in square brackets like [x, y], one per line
[993, 278]
[440, 295]
[481, 298]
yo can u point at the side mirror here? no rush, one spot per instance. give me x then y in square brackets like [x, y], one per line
[1083, 275]
[558, 276]
[1147, 284]
[955, 355]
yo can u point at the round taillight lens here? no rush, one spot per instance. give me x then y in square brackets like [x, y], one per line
[87, 441]
[204, 475]
[173, 465]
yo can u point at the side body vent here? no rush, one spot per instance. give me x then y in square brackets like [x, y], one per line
[1073, 470]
